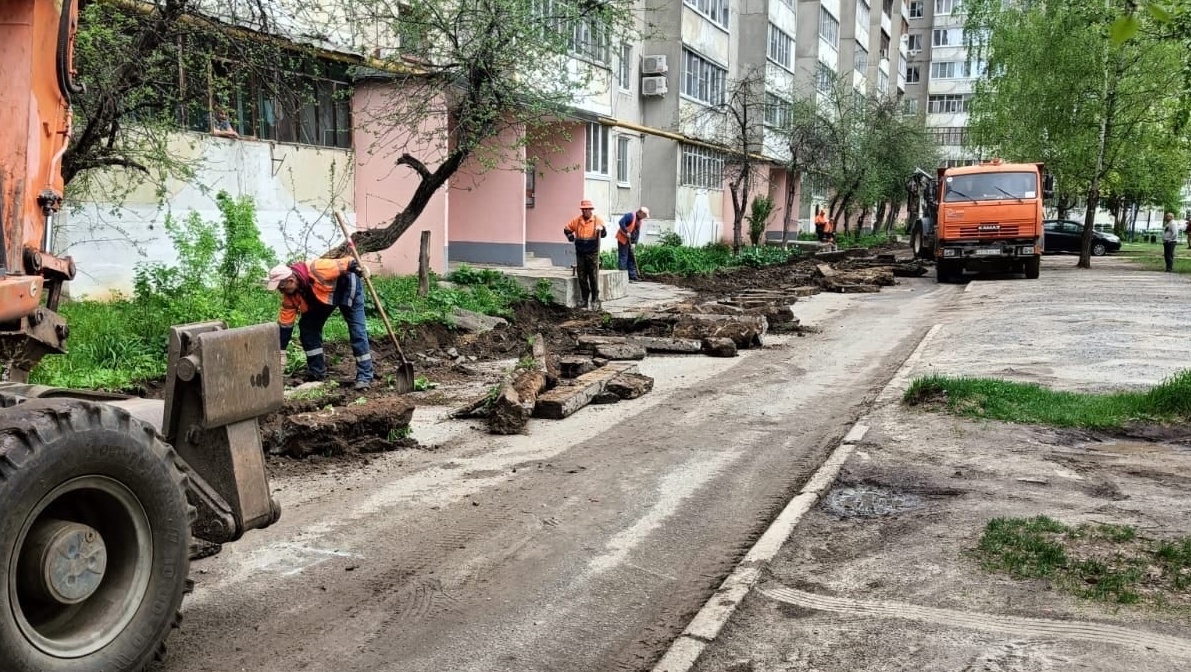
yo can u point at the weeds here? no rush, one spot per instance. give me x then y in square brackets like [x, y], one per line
[116, 344]
[422, 383]
[1094, 561]
[542, 292]
[996, 399]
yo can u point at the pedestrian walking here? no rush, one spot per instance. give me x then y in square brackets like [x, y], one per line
[627, 233]
[1170, 240]
[310, 292]
[585, 232]
[1187, 229]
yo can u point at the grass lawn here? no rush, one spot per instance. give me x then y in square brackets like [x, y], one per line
[1149, 256]
[995, 399]
[1101, 562]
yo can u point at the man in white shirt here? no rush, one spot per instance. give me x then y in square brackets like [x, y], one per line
[1170, 240]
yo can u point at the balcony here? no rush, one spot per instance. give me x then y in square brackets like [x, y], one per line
[886, 24]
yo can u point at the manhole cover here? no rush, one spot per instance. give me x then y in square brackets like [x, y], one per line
[867, 501]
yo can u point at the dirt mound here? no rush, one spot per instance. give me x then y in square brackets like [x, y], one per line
[366, 426]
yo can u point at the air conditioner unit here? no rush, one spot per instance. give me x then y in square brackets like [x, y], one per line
[653, 86]
[653, 65]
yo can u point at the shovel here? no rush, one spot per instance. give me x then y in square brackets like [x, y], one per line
[405, 371]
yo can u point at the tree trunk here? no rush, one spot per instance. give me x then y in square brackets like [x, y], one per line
[512, 408]
[879, 218]
[792, 188]
[1109, 89]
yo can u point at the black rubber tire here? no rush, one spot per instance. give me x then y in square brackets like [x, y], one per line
[1099, 249]
[1033, 268]
[944, 273]
[916, 240]
[46, 445]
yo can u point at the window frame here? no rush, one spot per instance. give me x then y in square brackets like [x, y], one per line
[624, 176]
[701, 168]
[709, 9]
[624, 73]
[828, 23]
[709, 79]
[781, 42]
[595, 154]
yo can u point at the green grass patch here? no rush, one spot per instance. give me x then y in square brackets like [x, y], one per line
[116, 344]
[1149, 256]
[1102, 562]
[995, 399]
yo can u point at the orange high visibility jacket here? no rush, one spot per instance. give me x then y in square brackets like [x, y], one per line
[625, 231]
[324, 273]
[587, 233]
[821, 219]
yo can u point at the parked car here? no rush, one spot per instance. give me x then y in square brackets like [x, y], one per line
[1064, 235]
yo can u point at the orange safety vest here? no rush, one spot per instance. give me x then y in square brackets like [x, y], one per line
[821, 219]
[623, 236]
[324, 274]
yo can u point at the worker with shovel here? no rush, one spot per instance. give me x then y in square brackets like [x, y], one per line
[312, 290]
[585, 232]
[626, 237]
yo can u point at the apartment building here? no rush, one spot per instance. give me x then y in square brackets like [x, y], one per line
[941, 76]
[636, 136]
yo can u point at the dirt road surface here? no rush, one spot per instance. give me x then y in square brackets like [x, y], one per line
[585, 546]
[880, 575]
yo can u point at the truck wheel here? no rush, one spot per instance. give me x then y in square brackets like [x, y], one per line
[916, 242]
[94, 539]
[943, 271]
[1033, 268]
[1099, 249]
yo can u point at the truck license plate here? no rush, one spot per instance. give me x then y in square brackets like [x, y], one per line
[988, 252]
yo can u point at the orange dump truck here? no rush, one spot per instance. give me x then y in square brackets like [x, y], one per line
[981, 218]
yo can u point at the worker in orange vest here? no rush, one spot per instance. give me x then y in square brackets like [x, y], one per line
[585, 232]
[310, 292]
[821, 224]
[627, 233]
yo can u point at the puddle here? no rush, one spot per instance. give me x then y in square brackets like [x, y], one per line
[869, 501]
[1130, 447]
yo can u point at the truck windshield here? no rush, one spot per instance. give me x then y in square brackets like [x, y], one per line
[989, 186]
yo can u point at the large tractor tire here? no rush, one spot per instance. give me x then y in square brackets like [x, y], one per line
[917, 241]
[944, 271]
[94, 539]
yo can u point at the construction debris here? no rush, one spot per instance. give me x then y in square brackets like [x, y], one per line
[619, 351]
[630, 385]
[719, 347]
[564, 400]
[512, 407]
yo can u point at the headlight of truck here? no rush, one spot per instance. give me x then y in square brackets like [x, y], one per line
[1026, 251]
[950, 253]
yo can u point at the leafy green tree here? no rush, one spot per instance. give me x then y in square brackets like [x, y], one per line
[1059, 90]
[809, 146]
[497, 72]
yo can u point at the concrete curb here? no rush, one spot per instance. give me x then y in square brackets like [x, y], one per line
[684, 651]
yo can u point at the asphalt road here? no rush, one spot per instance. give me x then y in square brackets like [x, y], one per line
[585, 546]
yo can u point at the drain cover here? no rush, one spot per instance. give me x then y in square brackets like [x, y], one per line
[868, 501]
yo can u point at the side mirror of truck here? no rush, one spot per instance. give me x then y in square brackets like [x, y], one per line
[1048, 186]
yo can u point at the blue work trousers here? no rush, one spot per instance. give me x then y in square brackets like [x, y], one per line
[349, 298]
[627, 261]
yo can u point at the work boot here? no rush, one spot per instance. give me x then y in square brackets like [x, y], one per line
[362, 385]
[595, 304]
[585, 304]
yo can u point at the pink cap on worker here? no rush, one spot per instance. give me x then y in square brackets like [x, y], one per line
[277, 274]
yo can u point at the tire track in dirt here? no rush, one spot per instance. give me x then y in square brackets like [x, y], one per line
[1018, 626]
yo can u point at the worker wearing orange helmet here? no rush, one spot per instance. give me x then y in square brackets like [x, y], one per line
[585, 232]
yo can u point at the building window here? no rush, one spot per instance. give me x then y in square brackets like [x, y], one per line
[777, 111]
[587, 36]
[914, 44]
[943, 70]
[781, 47]
[597, 149]
[824, 77]
[952, 136]
[312, 107]
[861, 61]
[882, 82]
[702, 167]
[947, 37]
[622, 160]
[910, 106]
[702, 79]
[945, 7]
[917, 7]
[862, 14]
[913, 74]
[828, 27]
[947, 104]
[716, 10]
[624, 77]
